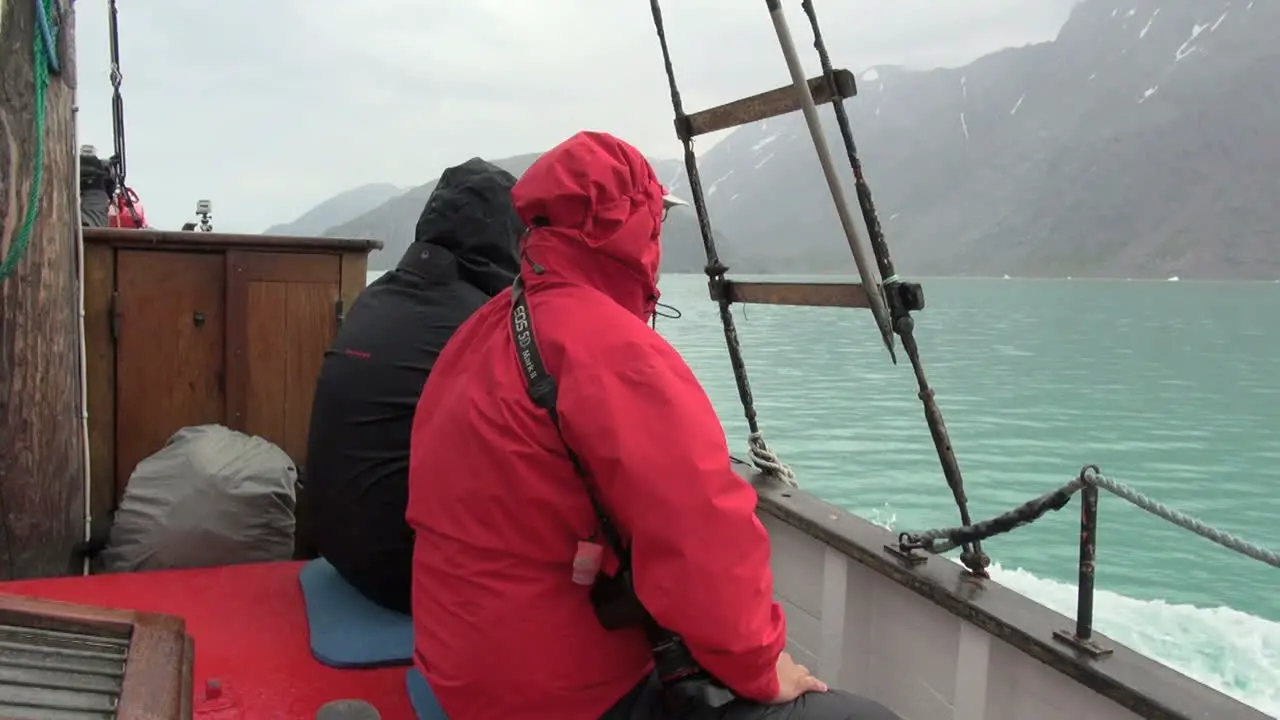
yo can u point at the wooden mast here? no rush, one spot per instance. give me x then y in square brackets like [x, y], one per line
[41, 455]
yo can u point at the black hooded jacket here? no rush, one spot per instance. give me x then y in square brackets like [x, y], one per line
[356, 481]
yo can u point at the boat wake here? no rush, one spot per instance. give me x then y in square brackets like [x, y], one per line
[1233, 652]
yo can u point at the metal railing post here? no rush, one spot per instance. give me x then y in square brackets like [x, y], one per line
[1082, 638]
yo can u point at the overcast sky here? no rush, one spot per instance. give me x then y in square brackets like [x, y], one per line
[268, 107]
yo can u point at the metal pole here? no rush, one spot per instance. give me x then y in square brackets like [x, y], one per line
[1081, 638]
[861, 252]
[1088, 551]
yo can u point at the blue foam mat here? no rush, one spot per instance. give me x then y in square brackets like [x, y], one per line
[348, 630]
[422, 698]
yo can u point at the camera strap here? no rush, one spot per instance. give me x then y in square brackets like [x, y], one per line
[544, 391]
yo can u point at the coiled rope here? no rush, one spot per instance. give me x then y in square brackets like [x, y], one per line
[46, 63]
[942, 540]
[767, 460]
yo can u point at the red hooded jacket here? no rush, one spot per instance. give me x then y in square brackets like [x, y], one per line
[501, 630]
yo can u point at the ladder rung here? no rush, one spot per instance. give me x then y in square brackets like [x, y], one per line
[816, 294]
[763, 106]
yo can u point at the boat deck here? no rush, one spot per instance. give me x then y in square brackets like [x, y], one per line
[250, 633]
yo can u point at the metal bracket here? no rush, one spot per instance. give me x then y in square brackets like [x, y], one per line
[1086, 646]
[910, 557]
[781, 101]
[905, 296]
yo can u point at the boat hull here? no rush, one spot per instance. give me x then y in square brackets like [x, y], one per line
[934, 643]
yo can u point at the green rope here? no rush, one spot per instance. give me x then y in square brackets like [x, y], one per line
[45, 56]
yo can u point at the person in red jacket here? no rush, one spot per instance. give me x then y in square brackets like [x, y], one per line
[524, 509]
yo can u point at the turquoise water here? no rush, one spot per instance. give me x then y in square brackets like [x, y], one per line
[1170, 387]
[1173, 388]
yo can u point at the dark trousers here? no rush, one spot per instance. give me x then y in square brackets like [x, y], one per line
[645, 703]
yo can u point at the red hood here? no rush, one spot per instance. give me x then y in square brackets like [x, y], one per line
[594, 207]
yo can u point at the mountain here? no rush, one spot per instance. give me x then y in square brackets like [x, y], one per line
[393, 221]
[1138, 143]
[337, 209]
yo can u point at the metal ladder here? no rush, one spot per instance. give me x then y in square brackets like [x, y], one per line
[891, 300]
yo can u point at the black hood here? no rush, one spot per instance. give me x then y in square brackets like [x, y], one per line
[470, 215]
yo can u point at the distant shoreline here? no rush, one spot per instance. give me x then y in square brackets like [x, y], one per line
[827, 278]
[833, 279]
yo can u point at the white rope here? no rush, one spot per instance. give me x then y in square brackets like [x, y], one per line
[1183, 520]
[767, 461]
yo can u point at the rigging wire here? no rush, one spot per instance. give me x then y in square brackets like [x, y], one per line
[972, 555]
[117, 162]
[715, 270]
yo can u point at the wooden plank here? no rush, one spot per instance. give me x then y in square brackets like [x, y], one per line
[64, 616]
[237, 334]
[100, 366]
[287, 267]
[355, 274]
[281, 312]
[42, 470]
[266, 323]
[154, 239]
[187, 694]
[169, 355]
[764, 106]
[851, 295]
[312, 326]
[154, 678]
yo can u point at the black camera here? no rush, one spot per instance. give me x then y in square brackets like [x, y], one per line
[614, 600]
[685, 684]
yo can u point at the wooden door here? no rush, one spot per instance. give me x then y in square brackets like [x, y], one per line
[169, 320]
[282, 313]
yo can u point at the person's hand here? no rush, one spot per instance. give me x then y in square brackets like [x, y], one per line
[794, 680]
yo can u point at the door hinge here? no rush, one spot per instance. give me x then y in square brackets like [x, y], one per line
[113, 316]
[339, 311]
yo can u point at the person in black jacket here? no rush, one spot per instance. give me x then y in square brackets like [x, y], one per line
[96, 188]
[355, 487]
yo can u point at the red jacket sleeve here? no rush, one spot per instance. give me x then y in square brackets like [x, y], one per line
[647, 433]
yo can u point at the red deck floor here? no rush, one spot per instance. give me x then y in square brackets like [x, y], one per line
[250, 633]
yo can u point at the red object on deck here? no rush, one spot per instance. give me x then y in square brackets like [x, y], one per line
[125, 211]
[253, 660]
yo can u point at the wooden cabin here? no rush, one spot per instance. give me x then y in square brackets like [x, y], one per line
[187, 328]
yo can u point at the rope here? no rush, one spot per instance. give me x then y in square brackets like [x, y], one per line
[972, 555]
[1185, 521]
[942, 540]
[767, 460]
[45, 48]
